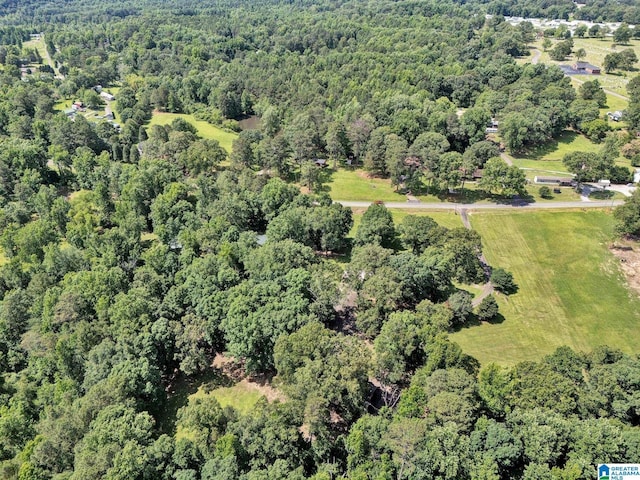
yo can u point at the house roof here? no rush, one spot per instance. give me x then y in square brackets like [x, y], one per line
[586, 65]
[545, 179]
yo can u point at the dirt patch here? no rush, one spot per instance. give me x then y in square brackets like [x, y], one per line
[264, 389]
[628, 253]
[236, 371]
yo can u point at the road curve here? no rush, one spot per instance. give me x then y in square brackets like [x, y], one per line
[486, 206]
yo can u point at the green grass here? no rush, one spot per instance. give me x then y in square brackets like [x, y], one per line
[205, 130]
[613, 104]
[3, 259]
[239, 396]
[596, 49]
[549, 156]
[355, 185]
[567, 194]
[37, 45]
[571, 290]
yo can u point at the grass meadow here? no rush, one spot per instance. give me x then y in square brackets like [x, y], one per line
[596, 49]
[571, 290]
[205, 129]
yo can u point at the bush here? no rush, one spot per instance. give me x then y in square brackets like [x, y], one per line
[231, 125]
[545, 192]
[503, 281]
[488, 309]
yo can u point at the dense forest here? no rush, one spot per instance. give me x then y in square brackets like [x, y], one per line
[133, 254]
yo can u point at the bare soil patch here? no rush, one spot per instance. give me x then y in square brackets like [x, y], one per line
[259, 383]
[628, 253]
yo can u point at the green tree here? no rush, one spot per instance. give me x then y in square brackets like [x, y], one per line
[487, 309]
[622, 34]
[628, 215]
[580, 30]
[376, 227]
[591, 90]
[544, 192]
[418, 232]
[503, 281]
[259, 312]
[498, 177]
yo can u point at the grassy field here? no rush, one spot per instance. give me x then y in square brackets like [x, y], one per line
[355, 185]
[37, 45]
[549, 156]
[571, 290]
[596, 49]
[205, 130]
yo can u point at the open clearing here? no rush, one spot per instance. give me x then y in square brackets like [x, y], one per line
[549, 156]
[205, 129]
[596, 49]
[356, 185]
[571, 288]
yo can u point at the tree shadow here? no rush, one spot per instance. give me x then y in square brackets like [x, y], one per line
[180, 386]
[474, 321]
[602, 194]
[325, 177]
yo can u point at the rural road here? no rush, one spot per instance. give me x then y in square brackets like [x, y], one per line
[507, 159]
[486, 206]
[51, 63]
[536, 56]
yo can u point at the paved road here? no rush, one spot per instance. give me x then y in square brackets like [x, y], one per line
[487, 206]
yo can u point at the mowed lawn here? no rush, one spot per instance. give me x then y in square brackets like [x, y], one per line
[571, 290]
[356, 185]
[549, 156]
[596, 49]
[205, 129]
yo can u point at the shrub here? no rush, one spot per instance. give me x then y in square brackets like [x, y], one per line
[545, 192]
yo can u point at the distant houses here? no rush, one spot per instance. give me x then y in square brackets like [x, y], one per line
[108, 113]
